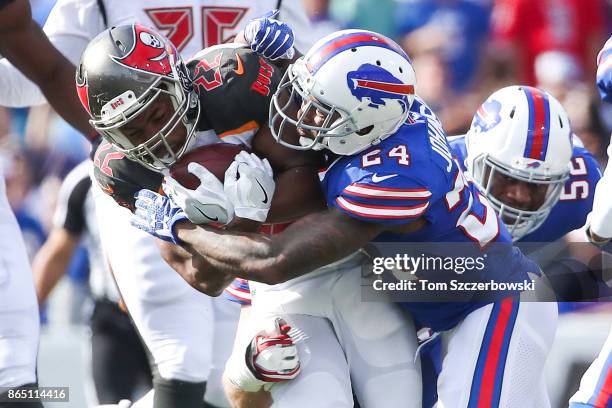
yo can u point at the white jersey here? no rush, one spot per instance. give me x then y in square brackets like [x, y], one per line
[191, 26]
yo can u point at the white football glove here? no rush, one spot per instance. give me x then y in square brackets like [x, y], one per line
[249, 186]
[271, 357]
[206, 204]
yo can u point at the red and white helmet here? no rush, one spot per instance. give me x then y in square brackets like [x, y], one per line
[361, 81]
[523, 133]
[122, 72]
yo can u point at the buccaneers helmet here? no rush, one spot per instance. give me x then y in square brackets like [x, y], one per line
[122, 72]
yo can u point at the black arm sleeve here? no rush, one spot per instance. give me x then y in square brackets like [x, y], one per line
[120, 177]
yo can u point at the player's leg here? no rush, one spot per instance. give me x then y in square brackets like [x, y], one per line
[503, 346]
[119, 360]
[226, 319]
[379, 341]
[324, 379]
[596, 384]
[174, 320]
[19, 320]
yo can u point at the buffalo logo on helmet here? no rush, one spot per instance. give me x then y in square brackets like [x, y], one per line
[487, 116]
[149, 52]
[534, 164]
[377, 84]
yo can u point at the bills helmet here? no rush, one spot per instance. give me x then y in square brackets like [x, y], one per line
[522, 133]
[361, 84]
[122, 72]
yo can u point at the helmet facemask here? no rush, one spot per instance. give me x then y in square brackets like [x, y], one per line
[292, 104]
[156, 152]
[519, 222]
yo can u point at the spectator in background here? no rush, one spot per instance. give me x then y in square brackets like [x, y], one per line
[456, 29]
[319, 15]
[366, 15]
[523, 29]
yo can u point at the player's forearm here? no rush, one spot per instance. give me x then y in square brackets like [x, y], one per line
[194, 269]
[49, 70]
[246, 255]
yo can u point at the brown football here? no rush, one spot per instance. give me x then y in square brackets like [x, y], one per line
[215, 157]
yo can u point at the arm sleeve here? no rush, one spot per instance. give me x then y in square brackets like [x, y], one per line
[70, 27]
[386, 198]
[238, 291]
[70, 211]
[120, 177]
[601, 216]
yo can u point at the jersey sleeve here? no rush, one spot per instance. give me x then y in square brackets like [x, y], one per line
[120, 177]
[72, 24]
[238, 291]
[70, 211]
[235, 87]
[384, 197]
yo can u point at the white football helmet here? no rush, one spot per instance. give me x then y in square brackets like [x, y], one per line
[523, 133]
[360, 81]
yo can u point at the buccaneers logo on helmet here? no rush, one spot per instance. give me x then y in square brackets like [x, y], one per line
[149, 52]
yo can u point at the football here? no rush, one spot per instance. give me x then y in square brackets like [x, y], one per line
[216, 158]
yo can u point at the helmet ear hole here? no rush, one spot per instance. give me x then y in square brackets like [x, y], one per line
[560, 122]
[364, 131]
[512, 112]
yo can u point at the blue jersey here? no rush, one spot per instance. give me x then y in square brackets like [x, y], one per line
[411, 175]
[576, 199]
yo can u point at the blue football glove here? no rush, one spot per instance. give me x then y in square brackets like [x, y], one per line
[157, 215]
[269, 37]
[604, 71]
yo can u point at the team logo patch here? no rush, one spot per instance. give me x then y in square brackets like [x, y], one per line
[487, 116]
[534, 165]
[377, 84]
[148, 53]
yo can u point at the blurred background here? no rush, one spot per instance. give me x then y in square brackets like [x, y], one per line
[462, 51]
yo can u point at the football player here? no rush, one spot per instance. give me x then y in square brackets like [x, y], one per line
[155, 117]
[151, 291]
[19, 319]
[521, 152]
[596, 384]
[119, 363]
[394, 179]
